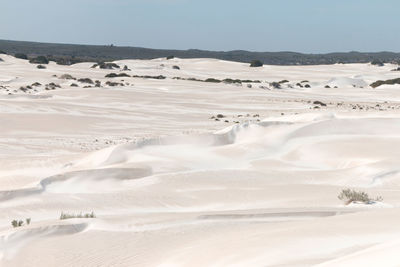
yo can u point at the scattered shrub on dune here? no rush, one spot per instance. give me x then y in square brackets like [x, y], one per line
[349, 196]
[16, 223]
[106, 66]
[115, 75]
[52, 86]
[21, 56]
[28, 221]
[36, 84]
[74, 85]
[66, 216]
[159, 77]
[39, 60]
[86, 80]
[275, 85]
[251, 81]
[170, 57]
[41, 67]
[126, 68]
[114, 84]
[176, 67]
[67, 77]
[283, 81]
[1, 60]
[377, 63]
[256, 63]
[389, 82]
[229, 81]
[212, 80]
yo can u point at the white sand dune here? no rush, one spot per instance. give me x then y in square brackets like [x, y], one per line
[174, 184]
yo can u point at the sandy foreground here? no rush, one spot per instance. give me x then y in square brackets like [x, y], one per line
[171, 184]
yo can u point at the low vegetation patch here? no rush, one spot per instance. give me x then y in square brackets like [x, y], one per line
[115, 75]
[349, 196]
[170, 57]
[275, 85]
[389, 82]
[66, 216]
[212, 80]
[114, 83]
[256, 63]
[52, 86]
[19, 223]
[106, 66]
[377, 63]
[39, 60]
[176, 67]
[159, 77]
[67, 77]
[86, 80]
[21, 56]
[41, 67]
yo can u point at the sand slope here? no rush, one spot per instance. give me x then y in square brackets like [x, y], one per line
[172, 186]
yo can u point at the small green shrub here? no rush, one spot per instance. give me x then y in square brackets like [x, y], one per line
[41, 67]
[390, 82]
[107, 66]
[67, 77]
[114, 75]
[21, 56]
[349, 196]
[256, 63]
[212, 80]
[39, 60]
[377, 62]
[28, 221]
[170, 57]
[159, 77]
[14, 223]
[66, 216]
[176, 67]
[86, 80]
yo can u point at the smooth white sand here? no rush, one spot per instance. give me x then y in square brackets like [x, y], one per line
[172, 187]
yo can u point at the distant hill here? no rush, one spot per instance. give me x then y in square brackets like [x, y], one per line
[71, 53]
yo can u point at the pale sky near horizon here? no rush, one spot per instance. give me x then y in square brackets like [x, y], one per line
[310, 26]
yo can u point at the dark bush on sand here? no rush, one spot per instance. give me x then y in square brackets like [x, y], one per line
[256, 63]
[85, 80]
[114, 75]
[39, 60]
[106, 66]
[21, 56]
[390, 82]
[377, 63]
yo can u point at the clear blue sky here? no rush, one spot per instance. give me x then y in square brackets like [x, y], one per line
[311, 26]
